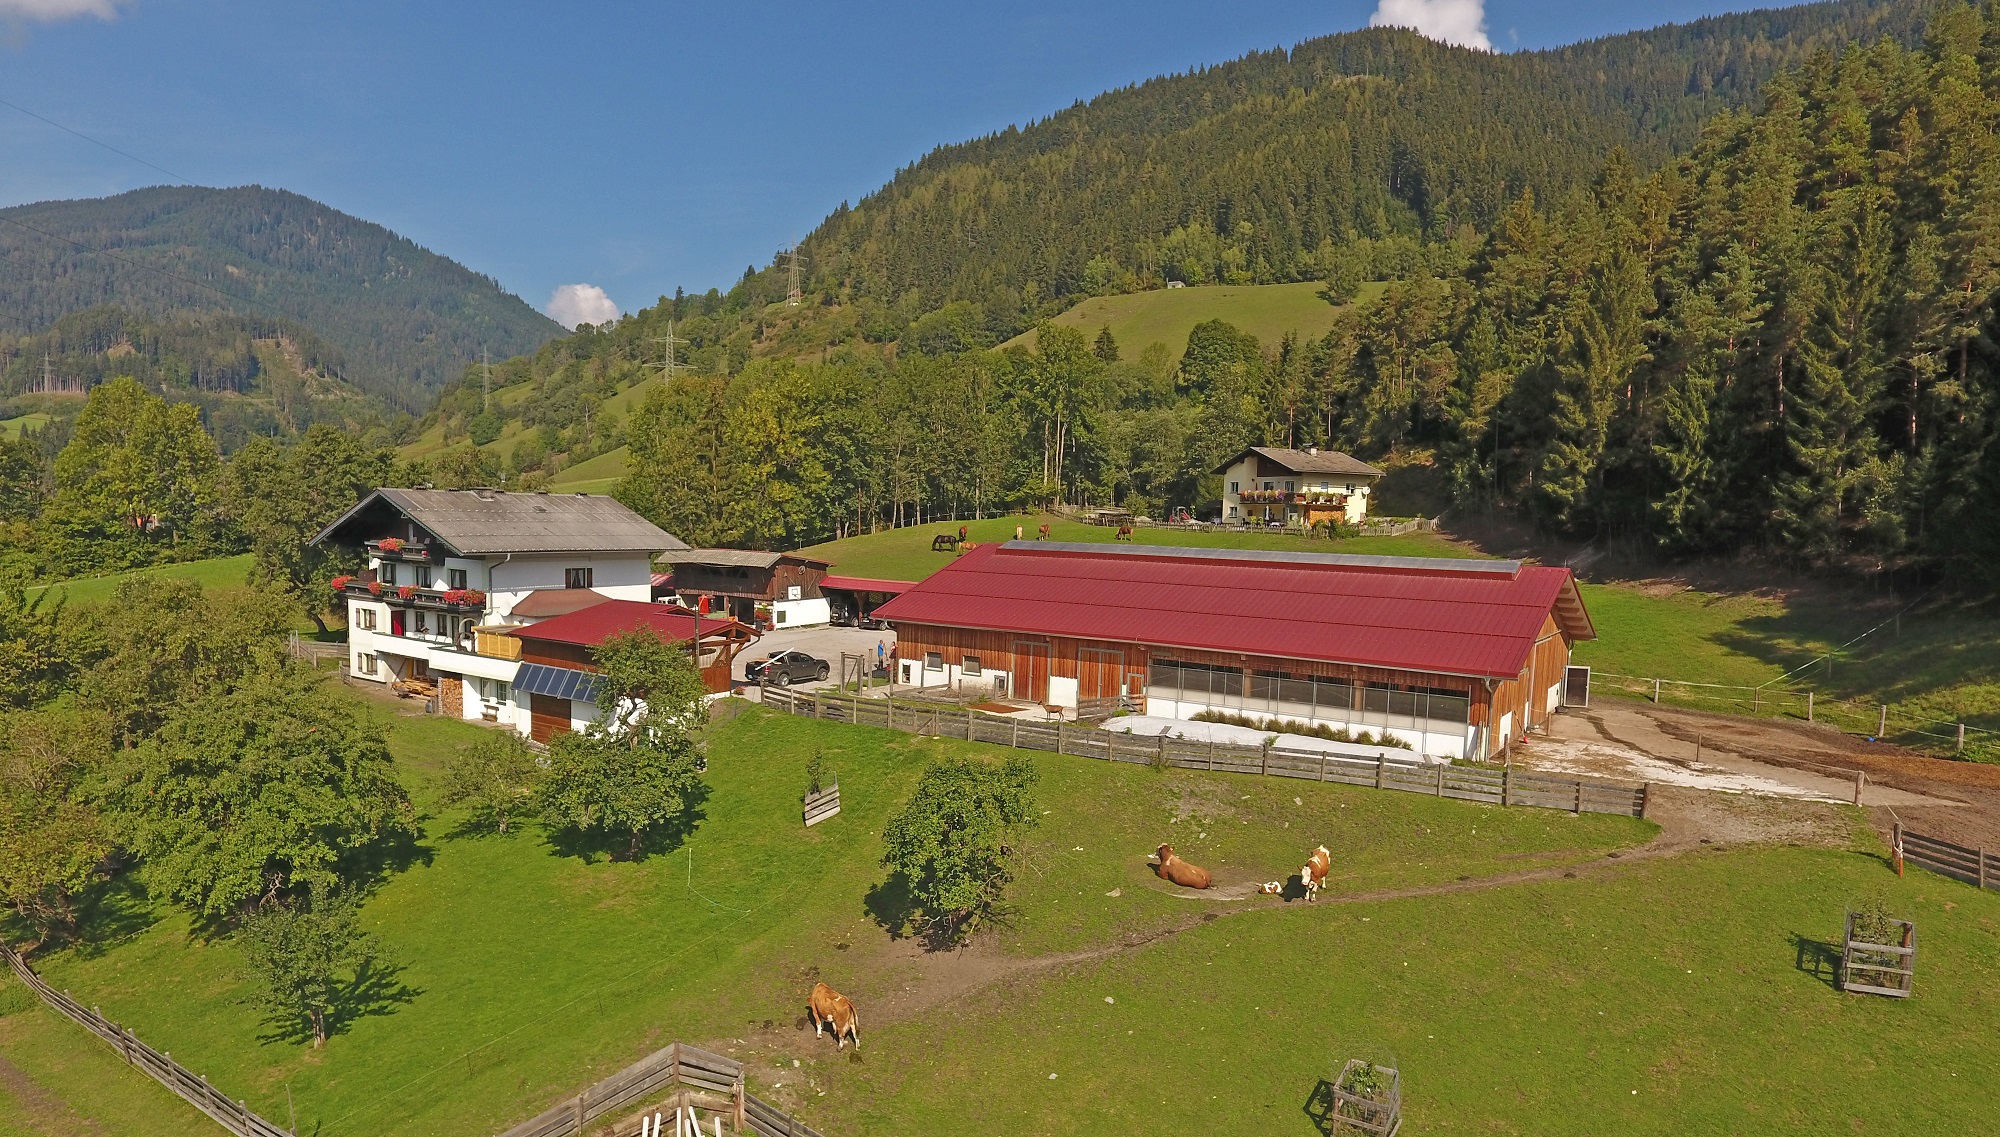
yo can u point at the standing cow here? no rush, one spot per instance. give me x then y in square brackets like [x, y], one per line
[831, 1009]
[1180, 872]
[1313, 875]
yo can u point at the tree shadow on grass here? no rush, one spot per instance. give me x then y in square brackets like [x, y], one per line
[667, 837]
[113, 911]
[1817, 958]
[891, 905]
[376, 989]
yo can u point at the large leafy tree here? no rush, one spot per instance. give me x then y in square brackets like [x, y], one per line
[634, 775]
[495, 776]
[139, 462]
[306, 958]
[952, 843]
[281, 498]
[247, 798]
[53, 841]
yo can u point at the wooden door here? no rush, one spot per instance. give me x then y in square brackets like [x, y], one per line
[548, 716]
[1031, 671]
[1100, 673]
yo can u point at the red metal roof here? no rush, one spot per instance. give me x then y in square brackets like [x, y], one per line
[868, 584]
[545, 602]
[599, 622]
[1478, 618]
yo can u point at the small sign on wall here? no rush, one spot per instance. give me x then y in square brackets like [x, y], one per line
[792, 592]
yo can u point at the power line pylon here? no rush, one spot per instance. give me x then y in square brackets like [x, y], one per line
[795, 294]
[670, 343]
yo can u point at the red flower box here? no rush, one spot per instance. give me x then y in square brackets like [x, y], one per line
[340, 583]
[374, 588]
[390, 544]
[464, 597]
[406, 591]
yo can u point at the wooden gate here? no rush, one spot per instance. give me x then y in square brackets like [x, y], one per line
[1031, 671]
[1576, 687]
[548, 716]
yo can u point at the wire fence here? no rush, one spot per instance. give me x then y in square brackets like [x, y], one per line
[1884, 722]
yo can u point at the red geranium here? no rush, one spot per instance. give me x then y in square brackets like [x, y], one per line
[390, 544]
[406, 591]
[374, 588]
[474, 596]
[340, 583]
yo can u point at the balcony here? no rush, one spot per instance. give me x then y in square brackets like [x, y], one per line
[457, 600]
[493, 642]
[1327, 498]
[398, 549]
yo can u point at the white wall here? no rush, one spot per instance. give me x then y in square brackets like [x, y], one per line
[1436, 743]
[621, 576]
[800, 613]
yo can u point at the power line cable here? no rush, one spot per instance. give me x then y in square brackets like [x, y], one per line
[95, 142]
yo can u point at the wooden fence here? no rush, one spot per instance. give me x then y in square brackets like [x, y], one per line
[704, 1080]
[1506, 786]
[1973, 866]
[821, 804]
[231, 1115]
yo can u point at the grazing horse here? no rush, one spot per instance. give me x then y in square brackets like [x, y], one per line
[1045, 531]
[943, 543]
[1124, 533]
[1180, 872]
[829, 1008]
[1313, 875]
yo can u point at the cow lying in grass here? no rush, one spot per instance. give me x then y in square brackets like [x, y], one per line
[1313, 875]
[830, 1008]
[1180, 872]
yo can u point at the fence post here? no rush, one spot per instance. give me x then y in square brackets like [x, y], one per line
[1756, 700]
[1014, 733]
[1809, 706]
[818, 703]
[1506, 783]
[1960, 748]
[1645, 798]
[1896, 846]
[1882, 723]
[1579, 798]
[1059, 736]
[1982, 866]
[1322, 766]
[1381, 770]
[1860, 779]
[1656, 692]
[1440, 789]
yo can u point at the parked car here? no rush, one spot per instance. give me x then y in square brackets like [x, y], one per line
[783, 668]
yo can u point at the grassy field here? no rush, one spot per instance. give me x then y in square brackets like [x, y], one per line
[11, 428]
[525, 972]
[1166, 315]
[1668, 996]
[905, 554]
[215, 572]
[594, 475]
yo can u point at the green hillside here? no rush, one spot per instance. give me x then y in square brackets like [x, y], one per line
[403, 319]
[1166, 315]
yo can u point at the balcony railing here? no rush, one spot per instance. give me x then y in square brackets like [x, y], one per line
[1293, 497]
[398, 549]
[409, 595]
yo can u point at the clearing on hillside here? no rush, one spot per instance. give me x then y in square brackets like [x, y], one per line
[1166, 315]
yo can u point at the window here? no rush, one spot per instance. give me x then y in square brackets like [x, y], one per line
[364, 618]
[1236, 487]
[971, 665]
[386, 573]
[423, 623]
[777, 617]
[1350, 487]
[455, 577]
[365, 663]
[1289, 486]
[423, 576]
[576, 578]
[1270, 485]
[933, 661]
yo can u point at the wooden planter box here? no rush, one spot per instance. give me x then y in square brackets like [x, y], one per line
[1880, 969]
[822, 805]
[1380, 1114]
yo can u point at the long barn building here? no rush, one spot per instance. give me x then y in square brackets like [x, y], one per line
[1456, 657]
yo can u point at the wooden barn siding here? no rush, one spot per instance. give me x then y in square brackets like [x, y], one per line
[996, 653]
[759, 584]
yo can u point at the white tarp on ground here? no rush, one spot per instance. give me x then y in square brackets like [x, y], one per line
[1151, 725]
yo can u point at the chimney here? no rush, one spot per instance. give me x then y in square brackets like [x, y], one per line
[1313, 450]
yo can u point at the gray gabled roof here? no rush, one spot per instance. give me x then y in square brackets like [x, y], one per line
[733, 558]
[1308, 462]
[484, 522]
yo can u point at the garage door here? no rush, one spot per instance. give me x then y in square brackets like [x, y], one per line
[547, 717]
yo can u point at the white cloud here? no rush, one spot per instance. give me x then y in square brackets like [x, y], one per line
[574, 304]
[50, 11]
[1461, 22]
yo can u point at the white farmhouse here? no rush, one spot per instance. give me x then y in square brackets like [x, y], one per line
[449, 571]
[1266, 484]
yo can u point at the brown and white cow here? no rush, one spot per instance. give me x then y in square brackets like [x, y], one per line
[1180, 872]
[1313, 875]
[831, 1009]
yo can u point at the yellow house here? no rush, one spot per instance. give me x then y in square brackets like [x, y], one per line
[1266, 484]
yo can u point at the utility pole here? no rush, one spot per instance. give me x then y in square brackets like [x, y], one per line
[486, 382]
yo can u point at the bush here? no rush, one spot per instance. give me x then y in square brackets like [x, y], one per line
[952, 842]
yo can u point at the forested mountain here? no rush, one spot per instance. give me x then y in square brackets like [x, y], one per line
[1263, 168]
[250, 375]
[401, 319]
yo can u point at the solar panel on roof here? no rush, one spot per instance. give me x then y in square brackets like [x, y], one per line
[555, 682]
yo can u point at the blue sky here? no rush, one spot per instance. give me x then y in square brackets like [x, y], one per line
[634, 147]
